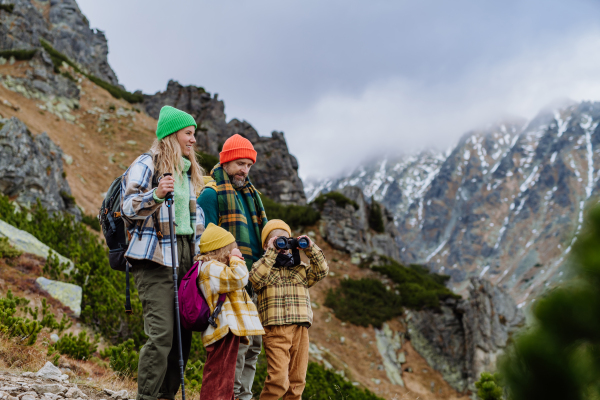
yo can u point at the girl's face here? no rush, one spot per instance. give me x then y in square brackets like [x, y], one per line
[186, 140]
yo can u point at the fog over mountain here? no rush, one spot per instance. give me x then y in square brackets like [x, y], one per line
[353, 78]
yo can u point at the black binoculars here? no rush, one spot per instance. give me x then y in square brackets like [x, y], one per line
[285, 243]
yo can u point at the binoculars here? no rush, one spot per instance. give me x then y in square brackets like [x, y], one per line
[285, 243]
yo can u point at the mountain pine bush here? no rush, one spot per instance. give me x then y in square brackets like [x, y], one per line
[295, 216]
[340, 200]
[488, 387]
[77, 347]
[7, 250]
[376, 217]
[123, 358]
[558, 355]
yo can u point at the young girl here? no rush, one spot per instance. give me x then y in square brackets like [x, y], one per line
[223, 270]
[143, 208]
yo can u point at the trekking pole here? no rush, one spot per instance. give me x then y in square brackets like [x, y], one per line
[169, 201]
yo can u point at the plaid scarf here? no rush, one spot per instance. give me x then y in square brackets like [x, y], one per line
[231, 211]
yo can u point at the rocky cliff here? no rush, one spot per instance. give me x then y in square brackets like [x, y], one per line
[505, 204]
[467, 336]
[347, 227]
[31, 168]
[275, 173]
[61, 23]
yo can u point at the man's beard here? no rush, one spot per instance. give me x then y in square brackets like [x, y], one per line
[236, 182]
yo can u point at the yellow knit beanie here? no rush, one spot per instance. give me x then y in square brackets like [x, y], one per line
[271, 226]
[214, 237]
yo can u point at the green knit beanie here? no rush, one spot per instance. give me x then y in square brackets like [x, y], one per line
[171, 120]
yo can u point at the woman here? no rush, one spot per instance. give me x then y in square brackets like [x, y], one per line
[144, 189]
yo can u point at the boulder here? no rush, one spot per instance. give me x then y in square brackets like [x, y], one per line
[49, 371]
[31, 169]
[28, 243]
[389, 344]
[68, 294]
[43, 388]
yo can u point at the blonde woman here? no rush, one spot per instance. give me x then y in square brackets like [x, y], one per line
[144, 188]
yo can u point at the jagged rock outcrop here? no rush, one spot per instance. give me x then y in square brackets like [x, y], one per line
[62, 24]
[466, 337]
[506, 203]
[275, 173]
[347, 228]
[31, 168]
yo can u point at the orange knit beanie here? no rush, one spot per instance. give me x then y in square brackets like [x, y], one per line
[237, 147]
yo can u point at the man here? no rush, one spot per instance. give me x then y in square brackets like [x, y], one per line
[230, 200]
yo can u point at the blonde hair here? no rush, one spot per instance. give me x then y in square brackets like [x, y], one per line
[220, 255]
[167, 158]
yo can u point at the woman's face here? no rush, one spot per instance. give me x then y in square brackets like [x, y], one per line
[186, 140]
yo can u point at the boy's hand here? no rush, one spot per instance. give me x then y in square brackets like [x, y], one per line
[236, 252]
[310, 242]
[270, 244]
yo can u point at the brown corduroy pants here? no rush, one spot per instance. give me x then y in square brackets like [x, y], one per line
[286, 348]
[219, 370]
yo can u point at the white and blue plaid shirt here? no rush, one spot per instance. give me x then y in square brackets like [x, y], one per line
[137, 207]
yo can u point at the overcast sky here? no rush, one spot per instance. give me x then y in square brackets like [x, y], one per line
[347, 79]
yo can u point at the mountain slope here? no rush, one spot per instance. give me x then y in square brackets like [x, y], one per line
[506, 203]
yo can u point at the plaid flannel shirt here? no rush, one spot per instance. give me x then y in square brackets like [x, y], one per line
[238, 312]
[137, 207]
[283, 297]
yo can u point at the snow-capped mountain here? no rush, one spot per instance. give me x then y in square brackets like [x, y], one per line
[506, 203]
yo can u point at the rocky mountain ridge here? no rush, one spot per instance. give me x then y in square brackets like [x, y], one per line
[505, 204]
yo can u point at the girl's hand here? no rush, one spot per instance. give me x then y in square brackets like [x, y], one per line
[270, 244]
[237, 253]
[165, 185]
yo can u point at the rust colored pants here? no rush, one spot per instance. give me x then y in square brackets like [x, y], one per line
[286, 348]
[219, 370]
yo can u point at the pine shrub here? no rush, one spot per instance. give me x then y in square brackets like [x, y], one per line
[7, 250]
[9, 8]
[376, 217]
[340, 200]
[488, 387]
[206, 161]
[25, 329]
[91, 221]
[123, 359]
[77, 347]
[364, 302]
[18, 54]
[558, 355]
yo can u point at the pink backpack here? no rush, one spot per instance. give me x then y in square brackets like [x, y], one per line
[193, 308]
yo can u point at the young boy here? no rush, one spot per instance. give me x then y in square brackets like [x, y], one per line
[223, 270]
[285, 311]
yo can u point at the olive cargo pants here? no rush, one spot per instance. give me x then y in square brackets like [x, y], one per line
[158, 369]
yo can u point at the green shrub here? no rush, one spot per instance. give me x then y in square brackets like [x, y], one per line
[376, 217]
[294, 216]
[77, 347]
[193, 375]
[339, 199]
[206, 161]
[488, 387]
[58, 58]
[22, 55]
[123, 359]
[24, 329]
[103, 288]
[91, 221]
[68, 75]
[557, 356]
[418, 287]
[364, 302]
[9, 8]
[7, 250]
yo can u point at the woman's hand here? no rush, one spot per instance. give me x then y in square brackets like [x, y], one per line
[165, 186]
[237, 253]
[310, 242]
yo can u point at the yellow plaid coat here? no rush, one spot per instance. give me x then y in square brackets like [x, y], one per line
[238, 313]
[283, 297]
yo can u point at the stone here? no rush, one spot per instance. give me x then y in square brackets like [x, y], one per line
[53, 388]
[68, 294]
[388, 344]
[32, 394]
[54, 338]
[28, 397]
[49, 371]
[31, 169]
[74, 392]
[28, 243]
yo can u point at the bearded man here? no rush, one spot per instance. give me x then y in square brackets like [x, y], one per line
[230, 200]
